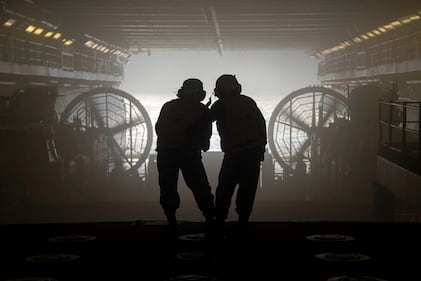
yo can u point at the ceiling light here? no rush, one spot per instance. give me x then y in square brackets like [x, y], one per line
[382, 29]
[57, 35]
[365, 37]
[30, 28]
[89, 43]
[375, 31]
[357, 40]
[388, 26]
[370, 34]
[38, 31]
[9, 22]
[68, 42]
[396, 23]
[415, 17]
[48, 34]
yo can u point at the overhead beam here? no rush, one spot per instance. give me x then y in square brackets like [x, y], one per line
[217, 30]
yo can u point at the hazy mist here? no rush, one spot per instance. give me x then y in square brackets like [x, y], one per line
[259, 72]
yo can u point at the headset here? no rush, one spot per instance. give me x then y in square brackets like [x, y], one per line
[228, 78]
[189, 92]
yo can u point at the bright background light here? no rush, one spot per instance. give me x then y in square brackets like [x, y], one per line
[266, 76]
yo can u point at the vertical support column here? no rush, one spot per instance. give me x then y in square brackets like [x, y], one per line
[290, 133]
[404, 128]
[419, 131]
[390, 124]
[131, 134]
[380, 125]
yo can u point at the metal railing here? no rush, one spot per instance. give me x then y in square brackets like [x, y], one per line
[400, 131]
[24, 51]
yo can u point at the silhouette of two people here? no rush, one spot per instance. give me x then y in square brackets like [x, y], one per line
[184, 128]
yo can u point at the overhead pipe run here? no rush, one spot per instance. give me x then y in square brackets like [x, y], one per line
[217, 30]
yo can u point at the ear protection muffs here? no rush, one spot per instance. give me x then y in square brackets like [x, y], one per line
[235, 86]
[189, 93]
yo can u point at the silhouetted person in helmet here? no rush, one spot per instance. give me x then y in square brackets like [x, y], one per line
[242, 129]
[182, 135]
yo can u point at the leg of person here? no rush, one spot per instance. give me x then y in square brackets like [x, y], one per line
[248, 182]
[227, 181]
[197, 181]
[168, 177]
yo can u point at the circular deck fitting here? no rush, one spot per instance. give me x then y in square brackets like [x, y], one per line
[329, 238]
[71, 239]
[342, 257]
[33, 279]
[355, 278]
[52, 258]
[192, 237]
[191, 256]
[193, 278]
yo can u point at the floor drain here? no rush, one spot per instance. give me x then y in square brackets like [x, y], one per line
[342, 257]
[192, 237]
[355, 278]
[191, 256]
[52, 258]
[329, 238]
[72, 239]
[33, 279]
[193, 278]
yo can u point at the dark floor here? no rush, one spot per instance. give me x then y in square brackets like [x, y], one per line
[273, 251]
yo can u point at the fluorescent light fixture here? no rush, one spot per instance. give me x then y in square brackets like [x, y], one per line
[9, 22]
[94, 46]
[396, 23]
[57, 35]
[415, 17]
[375, 31]
[382, 29]
[48, 34]
[30, 28]
[388, 26]
[357, 39]
[370, 34]
[89, 43]
[365, 37]
[68, 42]
[38, 31]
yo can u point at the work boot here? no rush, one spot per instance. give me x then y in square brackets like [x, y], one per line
[172, 226]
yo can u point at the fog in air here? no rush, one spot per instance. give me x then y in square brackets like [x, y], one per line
[267, 76]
